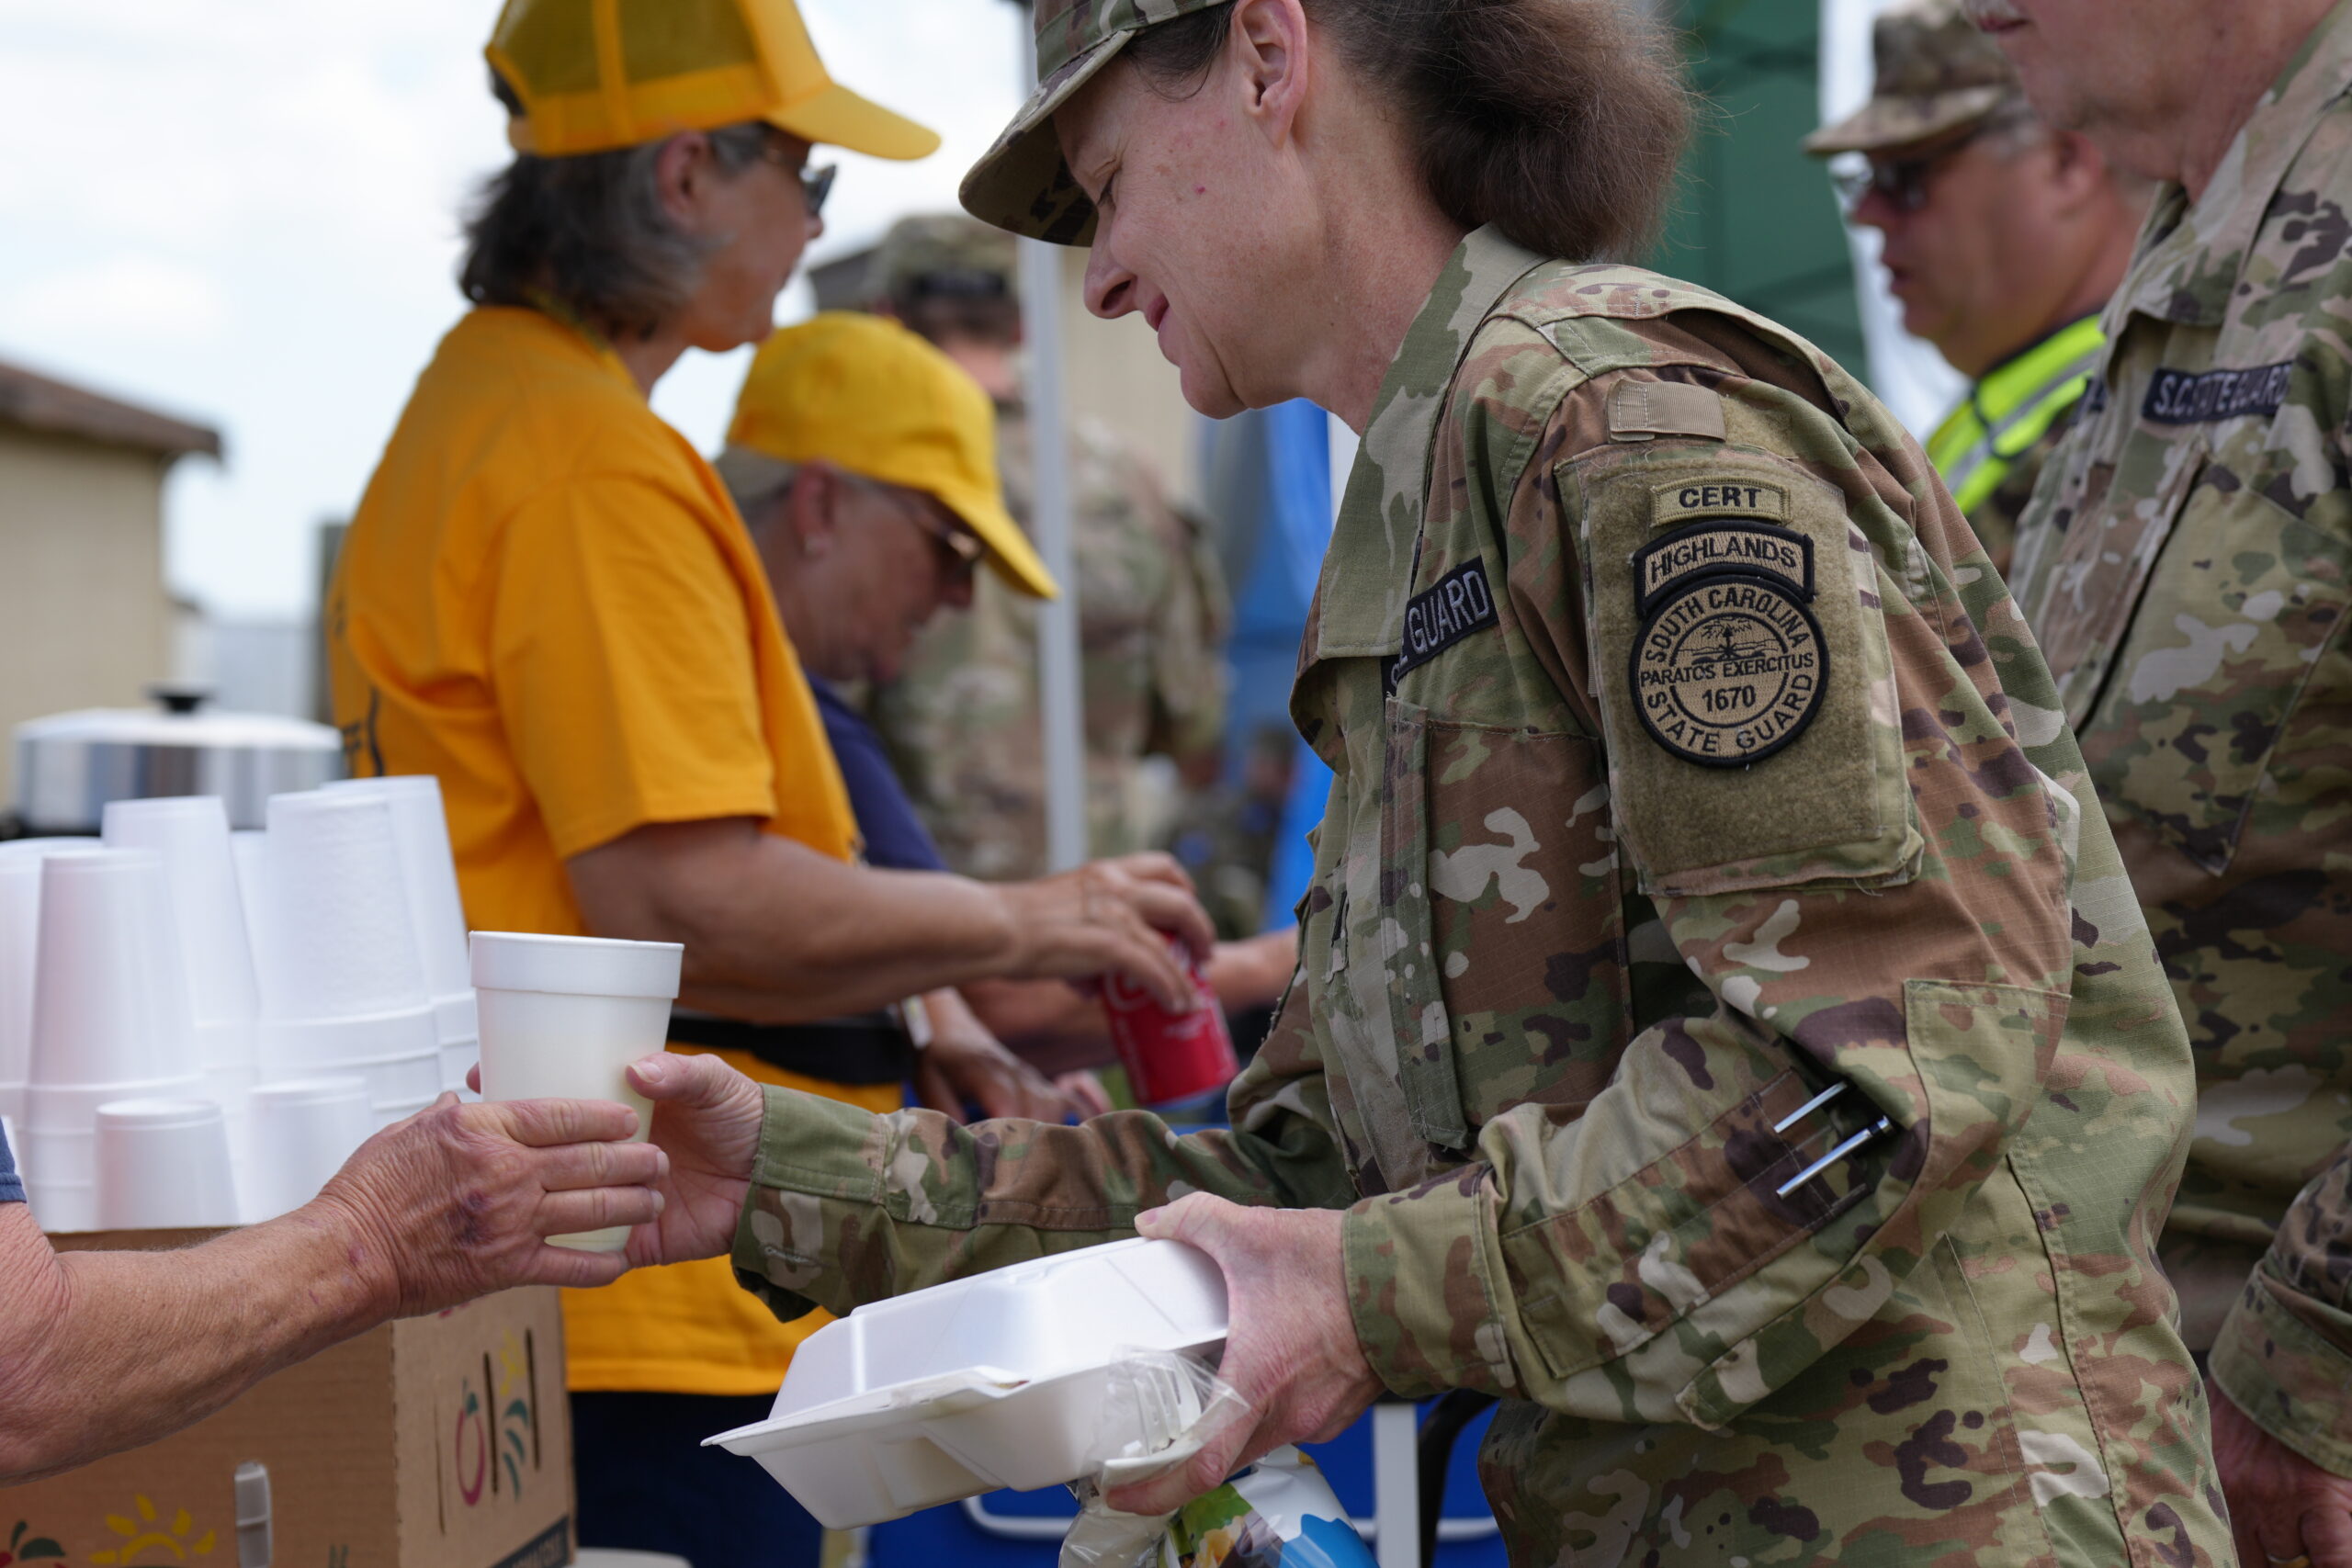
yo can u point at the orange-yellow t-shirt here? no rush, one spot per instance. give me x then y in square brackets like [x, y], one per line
[547, 600]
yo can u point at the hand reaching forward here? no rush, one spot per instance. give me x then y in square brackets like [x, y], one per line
[1291, 1354]
[2283, 1509]
[706, 1118]
[456, 1201]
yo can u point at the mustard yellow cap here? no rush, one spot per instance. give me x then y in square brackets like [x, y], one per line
[866, 394]
[596, 74]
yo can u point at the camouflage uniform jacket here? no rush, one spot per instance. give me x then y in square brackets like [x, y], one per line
[962, 723]
[1566, 992]
[2186, 568]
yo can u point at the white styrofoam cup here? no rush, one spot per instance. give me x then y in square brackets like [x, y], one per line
[111, 1003]
[300, 1133]
[429, 881]
[562, 1017]
[164, 1165]
[191, 834]
[19, 940]
[335, 912]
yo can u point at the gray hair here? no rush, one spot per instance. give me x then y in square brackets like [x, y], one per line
[589, 232]
[755, 479]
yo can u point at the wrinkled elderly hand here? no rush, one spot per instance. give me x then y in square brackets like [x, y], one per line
[1109, 917]
[459, 1200]
[2282, 1507]
[1292, 1353]
[707, 1117]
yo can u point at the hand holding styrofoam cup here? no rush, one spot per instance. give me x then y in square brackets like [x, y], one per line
[562, 1017]
[164, 1165]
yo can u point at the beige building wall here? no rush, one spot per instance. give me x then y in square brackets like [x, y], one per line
[1118, 377]
[85, 621]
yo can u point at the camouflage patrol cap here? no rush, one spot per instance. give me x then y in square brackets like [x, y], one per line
[1936, 73]
[1021, 183]
[942, 253]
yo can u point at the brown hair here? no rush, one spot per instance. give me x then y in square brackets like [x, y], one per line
[1557, 122]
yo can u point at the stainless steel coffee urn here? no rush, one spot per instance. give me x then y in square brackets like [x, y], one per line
[70, 764]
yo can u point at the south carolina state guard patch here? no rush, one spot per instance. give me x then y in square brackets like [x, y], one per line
[1728, 669]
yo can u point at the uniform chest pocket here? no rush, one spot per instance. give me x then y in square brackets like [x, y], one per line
[2243, 600]
[2084, 603]
[1507, 980]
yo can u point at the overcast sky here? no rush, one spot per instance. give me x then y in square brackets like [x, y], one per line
[245, 212]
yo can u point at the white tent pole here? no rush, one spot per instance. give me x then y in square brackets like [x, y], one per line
[1050, 522]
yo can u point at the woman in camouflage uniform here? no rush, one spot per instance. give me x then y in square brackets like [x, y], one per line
[1723, 1029]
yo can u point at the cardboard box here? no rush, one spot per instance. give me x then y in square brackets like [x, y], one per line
[432, 1442]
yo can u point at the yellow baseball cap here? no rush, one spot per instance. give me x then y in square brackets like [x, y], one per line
[866, 394]
[596, 74]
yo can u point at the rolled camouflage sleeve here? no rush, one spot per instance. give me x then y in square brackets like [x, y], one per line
[1633, 1258]
[2284, 1355]
[848, 1207]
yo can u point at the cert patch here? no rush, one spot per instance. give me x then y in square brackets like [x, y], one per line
[1728, 669]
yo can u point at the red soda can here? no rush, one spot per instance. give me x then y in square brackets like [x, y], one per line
[1170, 1055]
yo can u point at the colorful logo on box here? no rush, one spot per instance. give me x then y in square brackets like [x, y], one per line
[26, 1547]
[496, 1434]
[146, 1537]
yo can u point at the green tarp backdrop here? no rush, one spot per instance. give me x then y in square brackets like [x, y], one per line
[1753, 217]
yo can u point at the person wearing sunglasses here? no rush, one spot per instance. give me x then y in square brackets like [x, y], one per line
[2002, 240]
[863, 462]
[546, 600]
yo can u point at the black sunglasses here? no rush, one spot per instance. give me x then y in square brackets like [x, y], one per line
[816, 185]
[965, 549]
[1904, 182]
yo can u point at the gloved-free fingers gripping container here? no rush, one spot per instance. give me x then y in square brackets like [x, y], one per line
[996, 1381]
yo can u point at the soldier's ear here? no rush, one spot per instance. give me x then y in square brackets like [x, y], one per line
[1268, 43]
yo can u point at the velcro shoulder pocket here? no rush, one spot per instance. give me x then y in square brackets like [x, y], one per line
[1740, 663]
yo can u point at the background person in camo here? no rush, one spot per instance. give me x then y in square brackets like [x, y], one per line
[2188, 568]
[546, 600]
[1723, 1029]
[2002, 239]
[962, 720]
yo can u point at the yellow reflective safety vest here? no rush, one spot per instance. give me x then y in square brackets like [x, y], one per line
[2006, 413]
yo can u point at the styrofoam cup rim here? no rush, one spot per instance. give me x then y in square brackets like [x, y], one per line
[574, 965]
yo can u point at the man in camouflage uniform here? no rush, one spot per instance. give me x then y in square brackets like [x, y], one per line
[2002, 240]
[1724, 1029]
[962, 723]
[2187, 566]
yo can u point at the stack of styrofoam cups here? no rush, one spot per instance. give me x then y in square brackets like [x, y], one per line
[247, 847]
[343, 984]
[562, 1016]
[191, 833]
[301, 1132]
[429, 877]
[111, 1019]
[19, 939]
[164, 1165]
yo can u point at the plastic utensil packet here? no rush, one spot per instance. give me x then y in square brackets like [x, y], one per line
[1159, 1407]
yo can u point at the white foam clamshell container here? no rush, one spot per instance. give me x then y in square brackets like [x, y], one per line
[996, 1381]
